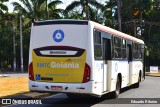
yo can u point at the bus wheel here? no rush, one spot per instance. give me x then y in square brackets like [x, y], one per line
[118, 87]
[137, 84]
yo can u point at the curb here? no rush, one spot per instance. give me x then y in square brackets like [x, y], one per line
[3, 75]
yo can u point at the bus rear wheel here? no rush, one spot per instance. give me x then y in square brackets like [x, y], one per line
[118, 88]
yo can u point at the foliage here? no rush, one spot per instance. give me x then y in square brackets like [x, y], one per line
[3, 7]
[37, 9]
[81, 7]
[6, 40]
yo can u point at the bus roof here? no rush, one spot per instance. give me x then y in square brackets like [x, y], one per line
[116, 33]
[60, 21]
[85, 22]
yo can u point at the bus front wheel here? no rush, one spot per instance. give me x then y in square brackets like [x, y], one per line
[118, 87]
[137, 84]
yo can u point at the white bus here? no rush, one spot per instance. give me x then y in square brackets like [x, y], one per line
[83, 57]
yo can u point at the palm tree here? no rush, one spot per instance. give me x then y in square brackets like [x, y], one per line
[36, 8]
[3, 7]
[30, 8]
[110, 13]
[85, 7]
[51, 8]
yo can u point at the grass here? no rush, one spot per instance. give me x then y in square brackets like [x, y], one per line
[10, 86]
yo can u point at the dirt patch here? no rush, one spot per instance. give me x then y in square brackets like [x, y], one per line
[10, 86]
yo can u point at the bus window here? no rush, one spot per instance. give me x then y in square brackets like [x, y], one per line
[141, 50]
[97, 45]
[117, 47]
[135, 51]
[124, 56]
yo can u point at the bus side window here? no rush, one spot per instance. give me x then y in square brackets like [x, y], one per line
[118, 46]
[97, 45]
[115, 44]
[124, 51]
[136, 51]
[140, 51]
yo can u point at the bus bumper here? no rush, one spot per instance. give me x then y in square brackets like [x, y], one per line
[84, 88]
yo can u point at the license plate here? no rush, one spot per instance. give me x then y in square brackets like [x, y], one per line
[57, 88]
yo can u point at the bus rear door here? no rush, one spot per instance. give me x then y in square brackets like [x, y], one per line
[106, 56]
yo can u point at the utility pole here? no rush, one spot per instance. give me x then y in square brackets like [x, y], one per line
[135, 28]
[21, 43]
[119, 14]
[14, 46]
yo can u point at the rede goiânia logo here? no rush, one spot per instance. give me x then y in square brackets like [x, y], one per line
[58, 35]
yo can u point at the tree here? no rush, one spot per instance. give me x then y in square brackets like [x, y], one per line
[84, 7]
[3, 7]
[54, 12]
[30, 9]
[38, 9]
[51, 8]
[6, 40]
[147, 18]
[110, 13]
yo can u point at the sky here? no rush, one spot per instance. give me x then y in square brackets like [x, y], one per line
[65, 3]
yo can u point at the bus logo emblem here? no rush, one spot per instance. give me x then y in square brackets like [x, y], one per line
[58, 35]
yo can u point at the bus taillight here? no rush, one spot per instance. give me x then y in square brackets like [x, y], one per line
[87, 72]
[31, 75]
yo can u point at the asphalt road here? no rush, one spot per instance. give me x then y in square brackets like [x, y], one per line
[150, 88]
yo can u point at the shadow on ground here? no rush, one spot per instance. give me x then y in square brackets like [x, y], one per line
[85, 101]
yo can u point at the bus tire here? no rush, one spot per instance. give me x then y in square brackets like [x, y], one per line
[118, 88]
[138, 83]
